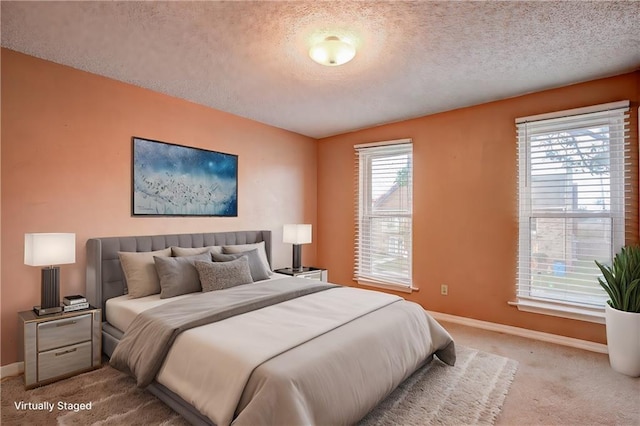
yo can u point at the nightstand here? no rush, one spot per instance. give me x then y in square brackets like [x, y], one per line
[307, 272]
[58, 346]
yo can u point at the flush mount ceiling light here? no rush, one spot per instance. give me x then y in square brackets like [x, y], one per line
[332, 52]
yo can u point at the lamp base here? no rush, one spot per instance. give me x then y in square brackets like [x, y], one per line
[50, 288]
[47, 311]
[296, 263]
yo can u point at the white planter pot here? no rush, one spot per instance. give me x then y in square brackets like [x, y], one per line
[623, 341]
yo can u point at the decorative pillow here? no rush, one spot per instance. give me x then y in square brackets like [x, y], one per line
[140, 271]
[240, 248]
[183, 251]
[258, 271]
[178, 275]
[221, 275]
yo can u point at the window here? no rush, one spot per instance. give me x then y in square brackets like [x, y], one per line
[384, 214]
[571, 192]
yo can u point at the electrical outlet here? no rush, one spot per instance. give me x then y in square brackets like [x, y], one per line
[444, 290]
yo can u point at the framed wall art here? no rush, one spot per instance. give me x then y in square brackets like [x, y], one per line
[176, 180]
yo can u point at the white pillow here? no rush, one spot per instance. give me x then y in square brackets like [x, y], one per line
[241, 248]
[140, 271]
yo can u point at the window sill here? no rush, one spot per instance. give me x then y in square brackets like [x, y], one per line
[580, 313]
[385, 286]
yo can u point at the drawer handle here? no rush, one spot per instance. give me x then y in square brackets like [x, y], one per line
[66, 352]
[62, 324]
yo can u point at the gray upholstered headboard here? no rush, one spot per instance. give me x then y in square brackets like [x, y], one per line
[104, 274]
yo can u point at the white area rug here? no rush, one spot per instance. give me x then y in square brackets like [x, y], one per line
[470, 393]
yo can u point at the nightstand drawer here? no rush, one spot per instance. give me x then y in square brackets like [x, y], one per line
[61, 361]
[63, 332]
[58, 346]
[314, 275]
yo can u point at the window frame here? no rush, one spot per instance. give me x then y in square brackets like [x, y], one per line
[618, 175]
[363, 273]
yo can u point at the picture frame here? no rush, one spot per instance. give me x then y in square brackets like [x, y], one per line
[176, 180]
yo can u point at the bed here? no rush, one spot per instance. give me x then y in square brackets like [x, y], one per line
[282, 350]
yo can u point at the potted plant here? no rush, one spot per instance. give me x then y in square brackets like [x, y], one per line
[622, 310]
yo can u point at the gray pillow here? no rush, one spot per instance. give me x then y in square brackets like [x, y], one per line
[262, 251]
[258, 271]
[192, 251]
[218, 276]
[178, 275]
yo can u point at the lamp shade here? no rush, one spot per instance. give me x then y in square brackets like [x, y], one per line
[49, 249]
[297, 234]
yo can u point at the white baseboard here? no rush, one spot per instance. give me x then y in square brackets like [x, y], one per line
[522, 332]
[11, 369]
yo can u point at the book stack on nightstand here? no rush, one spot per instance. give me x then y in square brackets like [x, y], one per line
[75, 302]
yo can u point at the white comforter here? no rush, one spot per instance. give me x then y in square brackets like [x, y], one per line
[324, 358]
[210, 366]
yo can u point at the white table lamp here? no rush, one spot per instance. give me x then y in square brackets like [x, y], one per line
[49, 250]
[297, 234]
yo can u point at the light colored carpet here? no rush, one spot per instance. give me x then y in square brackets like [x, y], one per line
[472, 392]
[557, 385]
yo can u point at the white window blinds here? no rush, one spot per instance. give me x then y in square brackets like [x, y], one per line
[384, 214]
[571, 190]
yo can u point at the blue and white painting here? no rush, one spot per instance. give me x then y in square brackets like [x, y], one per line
[175, 180]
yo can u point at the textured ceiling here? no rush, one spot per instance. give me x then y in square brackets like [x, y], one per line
[251, 58]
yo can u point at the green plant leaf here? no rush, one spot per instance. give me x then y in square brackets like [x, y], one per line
[622, 279]
[632, 296]
[610, 285]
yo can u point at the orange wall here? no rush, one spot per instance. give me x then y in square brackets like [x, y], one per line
[465, 205]
[66, 167]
